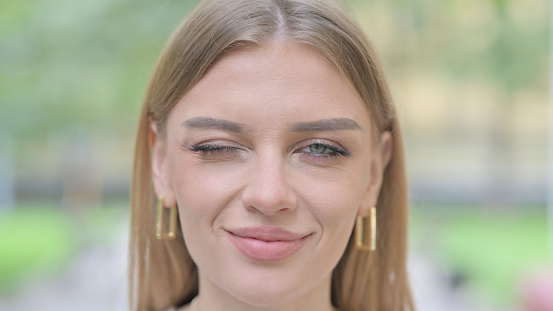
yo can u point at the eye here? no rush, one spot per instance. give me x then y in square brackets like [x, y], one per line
[319, 149]
[217, 151]
[323, 150]
[212, 148]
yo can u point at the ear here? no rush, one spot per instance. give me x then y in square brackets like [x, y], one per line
[380, 158]
[160, 167]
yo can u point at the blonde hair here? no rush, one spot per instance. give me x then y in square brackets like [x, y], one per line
[161, 273]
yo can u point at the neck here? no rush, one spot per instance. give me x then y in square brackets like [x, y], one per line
[213, 298]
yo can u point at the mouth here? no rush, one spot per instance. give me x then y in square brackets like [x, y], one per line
[266, 243]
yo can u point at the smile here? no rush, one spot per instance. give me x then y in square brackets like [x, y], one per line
[266, 243]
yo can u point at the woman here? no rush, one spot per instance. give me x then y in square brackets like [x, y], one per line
[269, 129]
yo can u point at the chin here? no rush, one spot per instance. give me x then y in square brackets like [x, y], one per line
[271, 287]
[266, 296]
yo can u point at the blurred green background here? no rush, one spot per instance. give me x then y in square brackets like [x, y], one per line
[470, 78]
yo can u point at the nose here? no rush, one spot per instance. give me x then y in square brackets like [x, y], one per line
[269, 191]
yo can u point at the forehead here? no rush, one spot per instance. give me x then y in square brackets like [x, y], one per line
[281, 82]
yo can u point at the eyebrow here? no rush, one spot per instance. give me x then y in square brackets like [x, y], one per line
[204, 123]
[337, 124]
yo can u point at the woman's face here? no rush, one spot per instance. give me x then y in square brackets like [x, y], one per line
[269, 158]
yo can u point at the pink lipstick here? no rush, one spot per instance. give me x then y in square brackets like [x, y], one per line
[266, 243]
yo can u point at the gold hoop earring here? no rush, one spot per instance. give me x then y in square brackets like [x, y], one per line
[159, 222]
[360, 240]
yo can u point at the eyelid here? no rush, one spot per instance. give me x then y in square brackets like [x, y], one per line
[192, 144]
[218, 151]
[214, 148]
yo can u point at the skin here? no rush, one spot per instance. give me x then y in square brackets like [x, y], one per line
[247, 147]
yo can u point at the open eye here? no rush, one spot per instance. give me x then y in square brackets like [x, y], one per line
[323, 150]
[319, 149]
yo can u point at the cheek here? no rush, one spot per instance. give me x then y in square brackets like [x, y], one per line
[333, 207]
[202, 196]
[338, 210]
[339, 191]
[202, 191]
[334, 203]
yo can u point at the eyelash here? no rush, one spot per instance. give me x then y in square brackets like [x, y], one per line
[212, 149]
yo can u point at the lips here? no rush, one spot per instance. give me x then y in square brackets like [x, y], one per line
[266, 243]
